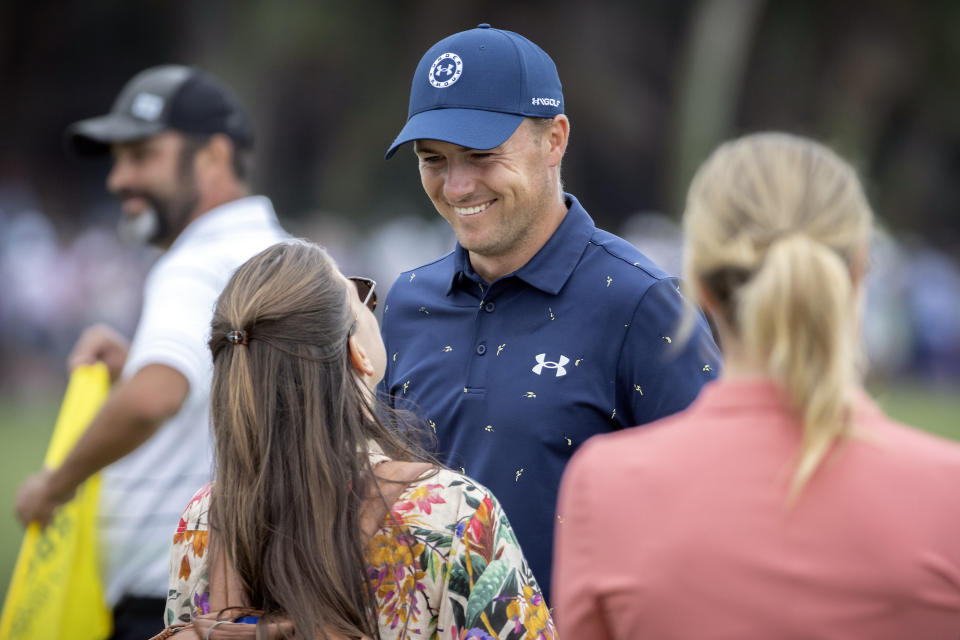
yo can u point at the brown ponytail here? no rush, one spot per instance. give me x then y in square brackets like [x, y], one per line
[292, 423]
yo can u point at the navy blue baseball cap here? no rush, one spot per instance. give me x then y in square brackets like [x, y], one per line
[474, 88]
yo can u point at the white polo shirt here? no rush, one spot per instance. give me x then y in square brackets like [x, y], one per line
[144, 493]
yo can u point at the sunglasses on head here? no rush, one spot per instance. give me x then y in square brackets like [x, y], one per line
[365, 289]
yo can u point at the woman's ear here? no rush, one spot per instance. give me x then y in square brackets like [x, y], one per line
[704, 297]
[358, 357]
[860, 265]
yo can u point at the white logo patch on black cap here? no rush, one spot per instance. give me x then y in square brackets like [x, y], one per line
[147, 106]
[445, 70]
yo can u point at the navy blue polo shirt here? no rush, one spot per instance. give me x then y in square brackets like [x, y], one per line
[513, 376]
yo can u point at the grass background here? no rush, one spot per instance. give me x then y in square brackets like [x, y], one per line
[26, 425]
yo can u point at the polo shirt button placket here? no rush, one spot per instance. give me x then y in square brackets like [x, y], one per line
[489, 307]
[481, 349]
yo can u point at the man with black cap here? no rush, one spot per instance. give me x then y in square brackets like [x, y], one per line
[539, 330]
[180, 142]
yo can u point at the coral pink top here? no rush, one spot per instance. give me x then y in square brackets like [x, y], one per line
[682, 529]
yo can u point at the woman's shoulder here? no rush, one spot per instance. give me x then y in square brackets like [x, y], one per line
[194, 516]
[441, 497]
[905, 444]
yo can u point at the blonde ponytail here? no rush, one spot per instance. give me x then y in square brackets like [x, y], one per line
[795, 315]
[774, 226]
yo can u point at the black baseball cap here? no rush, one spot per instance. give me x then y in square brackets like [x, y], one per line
[177, 97]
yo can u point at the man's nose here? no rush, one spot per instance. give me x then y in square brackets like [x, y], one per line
[119, 176]
[460, 182]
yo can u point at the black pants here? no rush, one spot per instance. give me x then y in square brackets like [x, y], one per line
[138, 618]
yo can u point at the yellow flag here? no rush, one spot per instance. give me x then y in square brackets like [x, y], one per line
[57, 592]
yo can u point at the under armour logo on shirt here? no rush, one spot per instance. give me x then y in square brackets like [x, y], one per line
[544, 363]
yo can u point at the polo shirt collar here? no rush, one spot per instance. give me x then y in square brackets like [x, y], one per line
[255, 212]
[551, 267]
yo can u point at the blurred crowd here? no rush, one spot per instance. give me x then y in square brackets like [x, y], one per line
[53, 288]
[55, 285]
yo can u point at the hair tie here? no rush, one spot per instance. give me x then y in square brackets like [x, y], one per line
[218, 622]
[237, 336]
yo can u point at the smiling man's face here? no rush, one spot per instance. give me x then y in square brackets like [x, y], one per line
[496, 200]
[153, 177]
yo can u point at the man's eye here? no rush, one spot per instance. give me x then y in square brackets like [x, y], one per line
[482, 156]
[429, 159]
[140, 153]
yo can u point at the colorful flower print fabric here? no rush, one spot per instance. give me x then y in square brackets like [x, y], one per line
[445, 564]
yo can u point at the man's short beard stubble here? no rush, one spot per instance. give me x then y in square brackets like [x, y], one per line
[164, 220]
[514, 233]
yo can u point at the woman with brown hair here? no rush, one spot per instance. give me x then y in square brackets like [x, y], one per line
[782, 503]
[333, 522]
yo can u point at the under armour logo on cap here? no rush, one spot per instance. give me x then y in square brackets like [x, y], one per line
[544, 363]
[445, 70]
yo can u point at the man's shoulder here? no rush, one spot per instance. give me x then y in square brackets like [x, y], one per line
[441, 267]
[616, 266]
[198, 276]
[606, 250]
[222, 248]
[432, 276]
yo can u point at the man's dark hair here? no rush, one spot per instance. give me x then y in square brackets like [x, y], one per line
[241, 161]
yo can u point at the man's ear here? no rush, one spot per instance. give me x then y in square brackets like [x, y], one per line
[216, 154]
[359, 359]
[557, 139]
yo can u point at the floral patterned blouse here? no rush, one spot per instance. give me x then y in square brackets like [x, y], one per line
[445, 564]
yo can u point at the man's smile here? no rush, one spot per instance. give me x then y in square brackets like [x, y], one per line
[469, 211]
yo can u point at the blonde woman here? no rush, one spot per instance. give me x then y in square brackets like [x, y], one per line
[782, 503]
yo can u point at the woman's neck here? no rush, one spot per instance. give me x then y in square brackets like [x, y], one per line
[737, 363]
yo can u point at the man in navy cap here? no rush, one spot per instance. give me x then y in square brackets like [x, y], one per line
[180, 142]
[539, 330]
